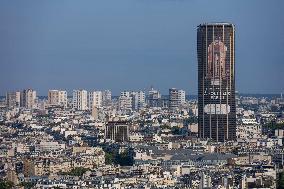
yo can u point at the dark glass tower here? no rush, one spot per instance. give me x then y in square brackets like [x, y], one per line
[216, 81]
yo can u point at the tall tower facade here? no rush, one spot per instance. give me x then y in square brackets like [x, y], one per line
[216, 81]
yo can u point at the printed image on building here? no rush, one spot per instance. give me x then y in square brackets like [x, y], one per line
[216, 81]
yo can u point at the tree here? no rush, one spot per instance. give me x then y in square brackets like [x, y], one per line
[109, 158]
[27, 185]
[124, 159]
[175, 130]
[6, 184]
[280, 184]
[77, 171]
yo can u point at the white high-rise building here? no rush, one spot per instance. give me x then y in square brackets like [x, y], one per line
[176, 98]
[13, 99]
[125, 93]
[138, 100]
[95, 99]
[181, 96]
[106, 97]
[80, 99]
[125, 101]
[57, 97]
[28, 98]
[154, 98]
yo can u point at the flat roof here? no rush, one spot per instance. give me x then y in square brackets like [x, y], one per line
[216, 24]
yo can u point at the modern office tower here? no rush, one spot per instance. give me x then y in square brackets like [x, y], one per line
[138, 100]
[57, 97]
[125, 101]
[216, 81]
[13, 99]
[28, 98]
[176, 98]
[95, 99]
[154, 98]
[80, 99]
[117, 131]
[106, 97]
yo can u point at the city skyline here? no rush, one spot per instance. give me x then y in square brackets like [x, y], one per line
[71, 45]
[141, 94]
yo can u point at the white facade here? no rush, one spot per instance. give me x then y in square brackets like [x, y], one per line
[28, 98]
[57, 97]
[176, 98]
[95, 99]
[125, 100]
[125, 94]
[249, 131]
[48, 146]
[13, 99]
[181, 96]
[279, 133]
[106, 97]
[136, 137]
[138, 100]
[154, 94]
[132, 100]
[80, 99]
[249, 121]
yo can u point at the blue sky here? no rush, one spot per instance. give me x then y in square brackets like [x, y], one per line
[133, 44]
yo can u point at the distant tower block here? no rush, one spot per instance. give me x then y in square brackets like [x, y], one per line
[95, 114]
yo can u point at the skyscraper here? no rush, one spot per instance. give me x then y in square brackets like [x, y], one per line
[216, 81]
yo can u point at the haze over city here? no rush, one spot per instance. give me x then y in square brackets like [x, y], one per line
[133, 44]
[144, 94]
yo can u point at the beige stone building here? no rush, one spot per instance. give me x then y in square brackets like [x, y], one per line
[57, 97]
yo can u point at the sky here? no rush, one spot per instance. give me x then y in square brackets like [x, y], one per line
[133, 44]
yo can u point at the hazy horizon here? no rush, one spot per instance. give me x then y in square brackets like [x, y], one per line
[133, 44]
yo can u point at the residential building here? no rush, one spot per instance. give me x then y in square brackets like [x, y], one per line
[176, 98]
[125, 101]
[95, 99]
[138, 100]
[154, 98]
[106, 97]
[13, 99]
[57, 97]
[80, 99]
[28, 98]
